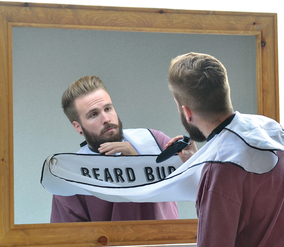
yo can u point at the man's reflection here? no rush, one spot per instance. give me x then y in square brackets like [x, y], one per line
[88, 106]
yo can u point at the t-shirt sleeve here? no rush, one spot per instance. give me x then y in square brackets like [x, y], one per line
[164, 210]
[218, 209]
[68, 209]
[161, 138]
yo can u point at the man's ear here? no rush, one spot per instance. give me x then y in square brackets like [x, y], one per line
[187, 113]
[78, 127]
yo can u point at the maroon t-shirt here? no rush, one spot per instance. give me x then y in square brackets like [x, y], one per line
[236, 208]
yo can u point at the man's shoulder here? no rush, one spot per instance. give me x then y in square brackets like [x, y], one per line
[223, 179]
[85, 150]
[157, 132]
[144, 131]
[223, 168]
[224, 173]
[150, 138]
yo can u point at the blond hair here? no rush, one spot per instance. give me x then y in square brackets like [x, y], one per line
[200, 82]
[82, 86]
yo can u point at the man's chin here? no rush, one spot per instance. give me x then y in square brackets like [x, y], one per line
[111, 136]
[110, 132]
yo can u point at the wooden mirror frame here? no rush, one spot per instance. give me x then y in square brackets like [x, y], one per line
[262, 26]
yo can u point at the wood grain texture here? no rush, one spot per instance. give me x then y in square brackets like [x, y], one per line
[4, 138]
[262, 26]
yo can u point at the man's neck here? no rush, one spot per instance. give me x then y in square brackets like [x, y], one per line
[222, 124]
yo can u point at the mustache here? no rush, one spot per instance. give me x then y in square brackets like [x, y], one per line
[108, 126]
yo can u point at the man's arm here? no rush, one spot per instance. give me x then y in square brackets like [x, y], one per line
[61, 210]
[218, 205]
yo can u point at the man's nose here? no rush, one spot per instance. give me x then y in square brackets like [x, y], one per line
[105, 118]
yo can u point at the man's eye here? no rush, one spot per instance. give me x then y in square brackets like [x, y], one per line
[94, 114]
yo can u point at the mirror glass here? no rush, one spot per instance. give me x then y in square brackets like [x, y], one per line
[134, 68]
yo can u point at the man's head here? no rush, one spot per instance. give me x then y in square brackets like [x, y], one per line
[89, 108]
[199, 84]
[81, 87]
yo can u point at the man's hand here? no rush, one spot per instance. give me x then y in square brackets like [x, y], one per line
[187, 152]
[109, 148]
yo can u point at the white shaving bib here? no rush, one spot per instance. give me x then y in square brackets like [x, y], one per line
[249, 141]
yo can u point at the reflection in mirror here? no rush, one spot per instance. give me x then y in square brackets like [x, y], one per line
[134, 68]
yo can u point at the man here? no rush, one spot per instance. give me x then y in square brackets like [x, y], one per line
[89, 108]
[240, 198]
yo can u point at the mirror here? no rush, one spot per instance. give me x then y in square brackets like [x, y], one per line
[136, 80]
[24, 20]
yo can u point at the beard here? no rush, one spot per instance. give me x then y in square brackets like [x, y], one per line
[193, 131]
[94, 141]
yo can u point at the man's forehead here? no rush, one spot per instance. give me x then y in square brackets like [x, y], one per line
[97, 98]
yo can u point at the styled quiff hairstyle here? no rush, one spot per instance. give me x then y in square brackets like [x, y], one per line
[199, 81]
[82, 86]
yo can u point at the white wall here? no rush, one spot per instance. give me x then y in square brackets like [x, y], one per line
[272, 6]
